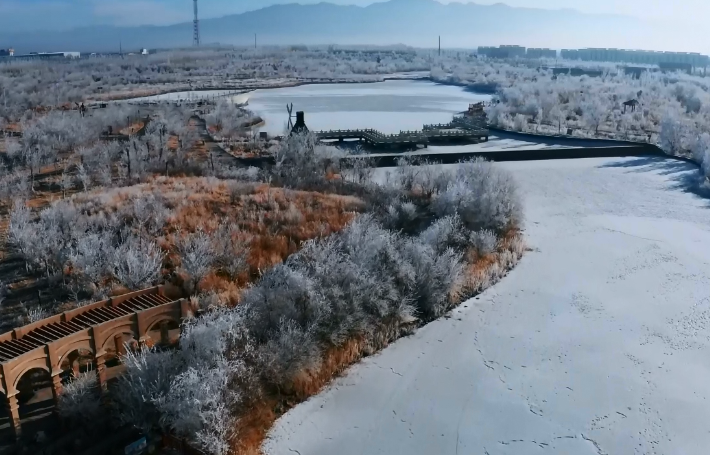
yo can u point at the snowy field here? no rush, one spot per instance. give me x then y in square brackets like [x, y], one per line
[597, 343]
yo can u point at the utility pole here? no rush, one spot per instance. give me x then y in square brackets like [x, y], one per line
[196, 28]
[254, 40]
[439, 45]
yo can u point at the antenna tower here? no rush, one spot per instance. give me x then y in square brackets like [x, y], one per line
[196, 28]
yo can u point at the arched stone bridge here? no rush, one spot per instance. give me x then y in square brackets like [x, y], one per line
[99, 327]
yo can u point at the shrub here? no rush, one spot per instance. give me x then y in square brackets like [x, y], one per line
[197, 255]
[303, 162]
[281, 297]
[289, 350]
[231, 247]
[347, 288]
[401, 215]
[148, 374]
[438, 278]
[484, 196]
[483, 241]
[78, 403]
[377, 252]
[445, 233]
[137, 262]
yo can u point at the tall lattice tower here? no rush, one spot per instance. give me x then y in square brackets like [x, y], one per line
[196, 28]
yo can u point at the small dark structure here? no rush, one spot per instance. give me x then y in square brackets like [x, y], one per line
[675, 66]
[573, 71]
[635, 71]
[633, 104]
[300, 126]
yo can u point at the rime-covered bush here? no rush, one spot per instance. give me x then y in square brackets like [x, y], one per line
[92, 257]
[438, 278]
[303, 162]
[231, 247]
[401, 215]
[369, 282]
[197, 255]
[148, 375]
[484, 196]
[78, 402]
[444, 233]
[282, 296]
[483, 241]
[228, 119]
[378, 252]
[137, 262]
[195, 390]
[290, 350]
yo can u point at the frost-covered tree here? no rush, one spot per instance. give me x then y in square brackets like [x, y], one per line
[79, 403]
[482, 195]
[672, 135]
[197, 256]
[137, 262]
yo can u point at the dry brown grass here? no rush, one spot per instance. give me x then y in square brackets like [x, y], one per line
[276, 220]
[253, 428]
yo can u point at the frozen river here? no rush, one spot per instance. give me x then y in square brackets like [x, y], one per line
[597, 343]
[389, 106]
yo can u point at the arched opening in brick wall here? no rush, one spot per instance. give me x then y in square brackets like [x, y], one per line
[30, 385]
[165, 332]
[75, 362]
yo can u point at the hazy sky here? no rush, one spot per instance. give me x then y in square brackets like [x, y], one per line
[16, 15]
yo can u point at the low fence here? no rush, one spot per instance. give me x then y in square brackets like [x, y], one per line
[390, 160]
[561, 139]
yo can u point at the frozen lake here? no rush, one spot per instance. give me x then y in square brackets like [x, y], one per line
[389, 106]
[598, 342]
[192, 95]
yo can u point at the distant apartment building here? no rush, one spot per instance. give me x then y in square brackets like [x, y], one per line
[508, 51]
[7, 52]
[513, 51]
[505, 51]
[541, 53]
[46, 56]
[683, 59]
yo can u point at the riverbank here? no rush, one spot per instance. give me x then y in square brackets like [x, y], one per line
[595, 343]
[250, 85]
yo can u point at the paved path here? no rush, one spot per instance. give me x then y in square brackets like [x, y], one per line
[597, 343]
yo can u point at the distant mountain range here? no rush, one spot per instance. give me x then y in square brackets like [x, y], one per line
[411, 22]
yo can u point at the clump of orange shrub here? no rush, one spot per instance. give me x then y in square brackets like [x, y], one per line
[274, 220]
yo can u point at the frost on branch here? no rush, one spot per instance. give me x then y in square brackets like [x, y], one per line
[137, 262]
[197, 255]
[78, 402]
[482, 195]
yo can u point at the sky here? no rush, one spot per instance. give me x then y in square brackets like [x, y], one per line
[27, 15]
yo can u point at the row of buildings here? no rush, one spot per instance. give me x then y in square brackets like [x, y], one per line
[671, 61]
[9, 55]
[662, 59]
[512, 51]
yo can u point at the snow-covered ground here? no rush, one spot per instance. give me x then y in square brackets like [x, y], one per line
[597, 343]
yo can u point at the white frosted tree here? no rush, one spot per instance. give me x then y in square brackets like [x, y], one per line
[197, 256]
[672, 134]
[137, 262]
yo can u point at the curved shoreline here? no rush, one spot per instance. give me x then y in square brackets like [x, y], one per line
[285, 83]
